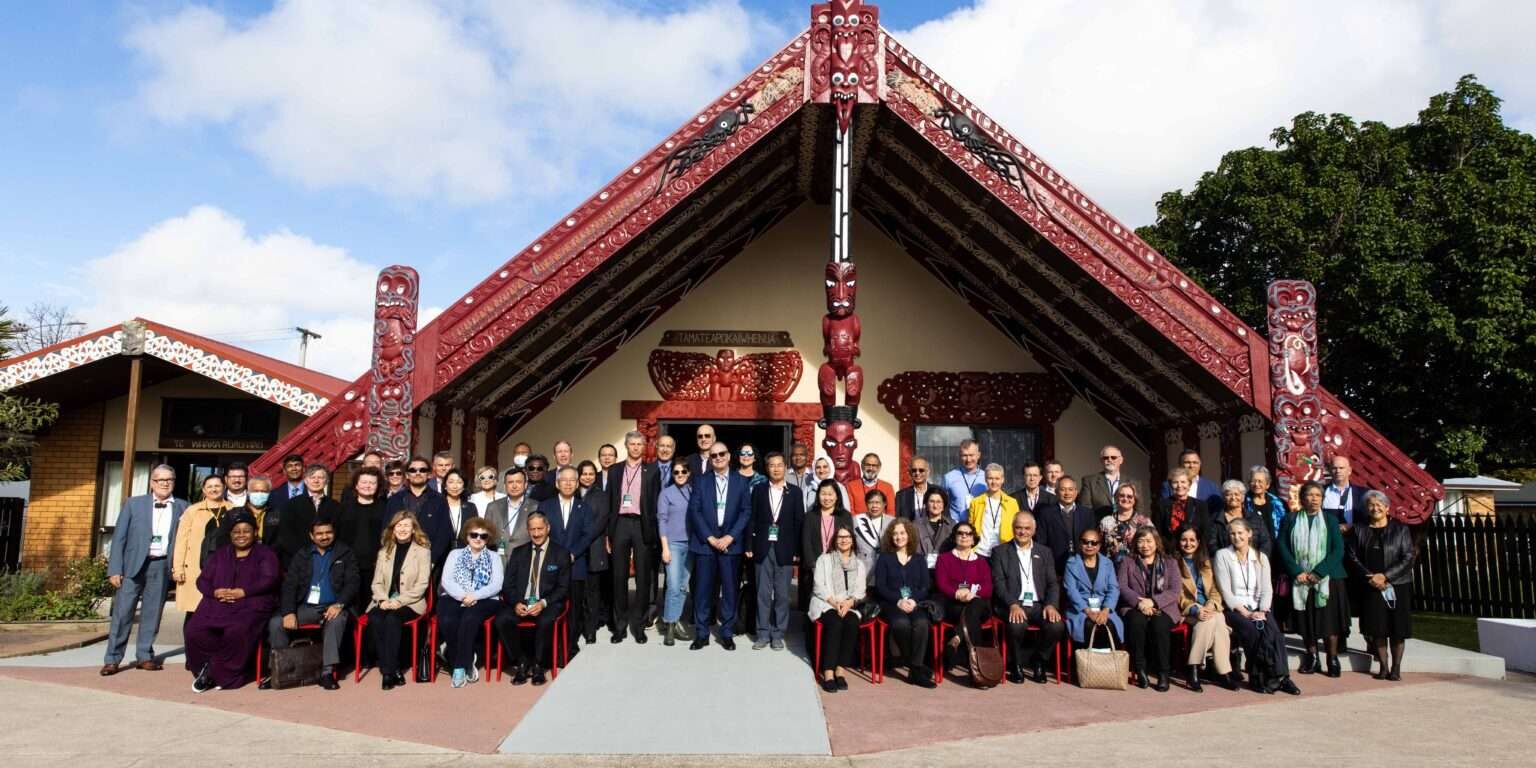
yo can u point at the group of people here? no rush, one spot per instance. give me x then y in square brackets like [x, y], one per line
[721, 544]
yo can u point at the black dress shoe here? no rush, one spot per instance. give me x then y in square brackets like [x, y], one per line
[616, 638]
[667, 636]
[1141, 679]
[589, 638]
[1289, 687]
[922, 677]
[1334, 670]
[639, 635]
[698, 642]
[386, 682]
[1194, 678]
[1015, 675]
[727, 643]
[830, 686]
[1161, 686]
[520, 676]
[842, 682]
[1308, 663]
[328, 681]
[538, 675]
[1039, 671]
[1396, 675]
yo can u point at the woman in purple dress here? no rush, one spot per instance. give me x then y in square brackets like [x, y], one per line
[239, 586]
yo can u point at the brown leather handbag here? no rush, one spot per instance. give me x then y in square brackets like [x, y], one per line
[1100, 669]
[985, 662]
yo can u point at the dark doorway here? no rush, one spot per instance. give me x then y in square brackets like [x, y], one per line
[765, 436]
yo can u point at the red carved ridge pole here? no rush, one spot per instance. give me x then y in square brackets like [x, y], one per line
[844, 36]
[390, 400]
[1297, 408]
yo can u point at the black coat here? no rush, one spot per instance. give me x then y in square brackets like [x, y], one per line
[293, 529]
[344, 579]
[554, 585]
[1195, 516]
[1218, 536]
[1397, 551]
[810, 536]
[1059, 536]
[791, 514]
[649, 488]
[596, 500]
[910, 508]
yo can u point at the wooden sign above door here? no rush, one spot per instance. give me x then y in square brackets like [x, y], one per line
[726, 339]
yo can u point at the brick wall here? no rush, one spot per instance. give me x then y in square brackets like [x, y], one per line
[61, 516]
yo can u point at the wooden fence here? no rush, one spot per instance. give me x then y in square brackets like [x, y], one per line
[1477, 566]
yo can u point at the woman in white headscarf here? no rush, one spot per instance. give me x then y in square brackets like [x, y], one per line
[823, 471]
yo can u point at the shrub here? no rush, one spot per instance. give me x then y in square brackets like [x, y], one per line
[22, 597]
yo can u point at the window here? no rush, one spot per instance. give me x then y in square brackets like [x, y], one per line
[1012, 447]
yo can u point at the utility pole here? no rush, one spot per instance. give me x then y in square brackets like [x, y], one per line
[305, 335]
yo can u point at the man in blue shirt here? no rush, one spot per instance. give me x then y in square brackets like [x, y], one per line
[965, 482]
[317, 590]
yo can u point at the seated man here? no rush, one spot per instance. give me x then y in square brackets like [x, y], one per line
[538, 580]
[1026, 591]
[319, 586]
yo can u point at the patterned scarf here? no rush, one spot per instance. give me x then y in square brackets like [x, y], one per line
[1309, 540]
[473, 571]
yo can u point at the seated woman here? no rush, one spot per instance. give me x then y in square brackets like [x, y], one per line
[239, 584]
[1312, 552]
[1092, 592]
[901, 582]
[402, 574]
[1149, 605]
[1200, 604]
[1243, 578]
[1381, 555]
[471, 594]
[839, 586]
[964, 579]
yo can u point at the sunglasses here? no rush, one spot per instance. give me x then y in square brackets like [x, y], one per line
[746, 454]
[679, 472]
[478, 535]
[965, 533]
[719, 455]
[537, 468]
[917, 471]
[396, 472]
[487, 477]
[418, 470]
[1109, 458]
[1088, 542]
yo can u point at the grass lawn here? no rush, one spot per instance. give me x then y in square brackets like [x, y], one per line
[1455, 631]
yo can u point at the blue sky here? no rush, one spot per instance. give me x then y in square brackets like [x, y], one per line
[234, 167]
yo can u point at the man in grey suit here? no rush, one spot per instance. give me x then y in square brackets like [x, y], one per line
[138, 569]
[510, 513]
[1098, 492]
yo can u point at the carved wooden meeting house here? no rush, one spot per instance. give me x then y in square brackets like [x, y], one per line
[992, 298]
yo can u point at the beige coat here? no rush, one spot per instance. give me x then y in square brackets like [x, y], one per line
[187, 558]
[415, 578]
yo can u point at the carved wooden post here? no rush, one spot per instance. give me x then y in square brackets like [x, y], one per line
[844, 47]
[390, 400]
[1297, 410]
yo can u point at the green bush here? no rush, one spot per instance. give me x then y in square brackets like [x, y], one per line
[23, 598]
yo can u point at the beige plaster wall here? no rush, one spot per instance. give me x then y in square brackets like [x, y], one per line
[148, 425]
[910, 322]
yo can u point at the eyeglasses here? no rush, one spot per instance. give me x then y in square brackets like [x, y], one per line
[418, 470]
[479, 535]
[965, 533]
[918, 471]
[679, 472]
[487, 477]
[719, 454]
[1109, 458]
[746, 454]
[396, 472]
[163, 480]
[537, 468]
[1088, 542]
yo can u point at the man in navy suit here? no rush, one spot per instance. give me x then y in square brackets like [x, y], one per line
[1208, 492]
[137, 569]
[537, 584]
[718, 512]
[429, 507]
[778, 510]
[1061, 524]
[570, 525]
[293, 470]
[1341, 497]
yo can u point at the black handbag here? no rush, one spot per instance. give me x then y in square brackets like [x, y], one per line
[298, 664]
[426, 658]
[934, 610]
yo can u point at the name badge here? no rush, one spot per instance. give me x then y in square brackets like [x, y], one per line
[314, 595]
[1028, 599]
[156, 538]
[720, 506]
[773, 533]
[628, 500]
[933, 559]
[906, 593]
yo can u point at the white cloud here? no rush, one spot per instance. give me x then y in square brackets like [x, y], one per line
[1130, 100]
[419, 99]
[204, 273]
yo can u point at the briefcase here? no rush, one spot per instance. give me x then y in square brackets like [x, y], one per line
[1098, 669]
[298, 664]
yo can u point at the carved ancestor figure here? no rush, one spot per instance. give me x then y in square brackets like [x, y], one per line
[1297, 409]
[840, 335]
[394, 361]
[840, 444]
[758, 377]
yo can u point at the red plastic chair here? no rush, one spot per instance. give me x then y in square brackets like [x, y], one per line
[873, 652]
[262, 643]
[414, 624]
[560, 654]
[943, 628]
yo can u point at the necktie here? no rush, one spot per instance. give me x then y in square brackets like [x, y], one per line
[538, 567]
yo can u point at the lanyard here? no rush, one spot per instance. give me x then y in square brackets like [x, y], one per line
[773, 505]
[722, 488]
[994, 515]
[1250, 574]
[630, 479]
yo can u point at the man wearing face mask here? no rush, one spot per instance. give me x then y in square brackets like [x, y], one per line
[258, 502]
[869, 480]
[520, 454]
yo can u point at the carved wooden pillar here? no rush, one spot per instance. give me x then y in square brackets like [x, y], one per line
[1293, 369]
[442, 429]
[390, 401]
[466, 428]
[652, 431]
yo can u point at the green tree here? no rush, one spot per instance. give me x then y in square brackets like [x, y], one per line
[20, 418]
[1421, 240]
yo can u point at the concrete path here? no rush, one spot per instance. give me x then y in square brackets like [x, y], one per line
[650, 699]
